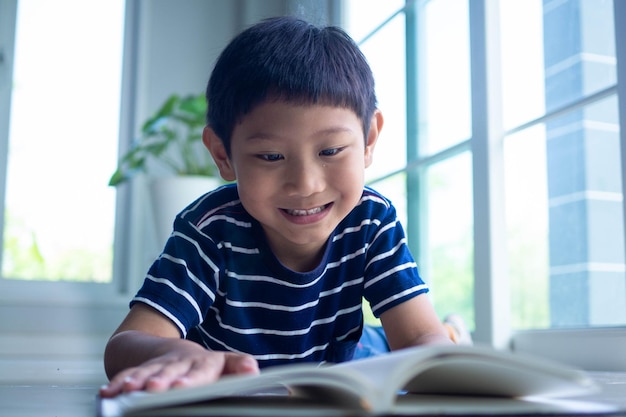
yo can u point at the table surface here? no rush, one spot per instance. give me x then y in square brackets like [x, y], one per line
[66, 400]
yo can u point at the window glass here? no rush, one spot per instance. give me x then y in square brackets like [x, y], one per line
[553, 54]
[449, 230]
[59, 211]
[523, 73]
[443, 75]
[579, 49]
[362, 17]
[565, 221]
[385, 52]
[527, 227]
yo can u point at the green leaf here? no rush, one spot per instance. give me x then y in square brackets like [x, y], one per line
[169, 138]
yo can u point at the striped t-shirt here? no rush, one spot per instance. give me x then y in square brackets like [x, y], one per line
[219, 282]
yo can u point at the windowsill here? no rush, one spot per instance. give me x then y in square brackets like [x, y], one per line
[57, 321]
[51, 294]
[592, 349]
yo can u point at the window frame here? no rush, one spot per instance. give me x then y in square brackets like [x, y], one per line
[8, 15]
[619, 12]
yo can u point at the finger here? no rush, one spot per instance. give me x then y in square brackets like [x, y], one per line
[132, 379]
[201, 372]
[159, 383]
[240, 364]
[207, 371]
[122, 382]
[110, 390]
[167, 375]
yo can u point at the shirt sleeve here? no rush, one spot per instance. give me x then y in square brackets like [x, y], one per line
[181, 283]
[391, 274]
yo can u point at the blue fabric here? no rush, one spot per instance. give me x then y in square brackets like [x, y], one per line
[373, 342]
[219, 282]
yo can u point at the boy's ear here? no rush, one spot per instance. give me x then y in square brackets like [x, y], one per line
[376, 125]
[215, 145]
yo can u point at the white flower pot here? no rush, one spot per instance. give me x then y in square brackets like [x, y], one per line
[170, 195]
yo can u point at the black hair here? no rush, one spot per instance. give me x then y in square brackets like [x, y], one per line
[286, 58]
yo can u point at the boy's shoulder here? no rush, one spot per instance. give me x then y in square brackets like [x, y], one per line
[223, 201]
[373, 197]
[373, 205]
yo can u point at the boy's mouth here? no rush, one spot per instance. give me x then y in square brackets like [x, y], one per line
[307, 212]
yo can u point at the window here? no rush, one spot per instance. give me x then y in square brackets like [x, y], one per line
[503, 150]
[62, 140]
[514, 194]
[566, 249]
[432, 199]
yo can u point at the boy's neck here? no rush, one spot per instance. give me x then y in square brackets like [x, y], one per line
[300, 259]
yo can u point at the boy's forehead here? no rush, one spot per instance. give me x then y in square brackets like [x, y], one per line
[298, 104]
[278, 108]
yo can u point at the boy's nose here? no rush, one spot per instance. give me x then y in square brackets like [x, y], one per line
[304, 179]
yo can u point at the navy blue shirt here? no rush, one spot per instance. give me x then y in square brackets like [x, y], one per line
[218, 281]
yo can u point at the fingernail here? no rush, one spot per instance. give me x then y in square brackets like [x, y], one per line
[180, 381]
[249, 364]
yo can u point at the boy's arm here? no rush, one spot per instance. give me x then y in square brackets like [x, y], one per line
[147, 353]
[413, 322]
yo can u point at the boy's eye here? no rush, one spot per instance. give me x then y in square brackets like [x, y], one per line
[330, 152]
[270, 157]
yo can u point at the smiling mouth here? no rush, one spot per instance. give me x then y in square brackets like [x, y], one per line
[309, 212]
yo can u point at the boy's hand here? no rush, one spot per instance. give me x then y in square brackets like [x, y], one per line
[179, 368]
[147, 353]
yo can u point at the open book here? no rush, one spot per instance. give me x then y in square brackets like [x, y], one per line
[411, 381]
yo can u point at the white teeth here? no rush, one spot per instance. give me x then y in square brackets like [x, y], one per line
[315, 210]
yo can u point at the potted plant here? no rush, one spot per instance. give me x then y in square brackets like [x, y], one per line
[170, 138]
[169, 151]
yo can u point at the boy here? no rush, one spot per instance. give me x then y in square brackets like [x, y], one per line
[272, 270]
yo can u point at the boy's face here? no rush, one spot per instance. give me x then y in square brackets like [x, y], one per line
[300, 171]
